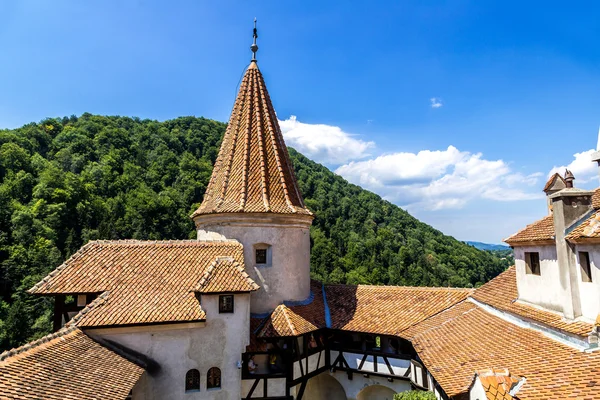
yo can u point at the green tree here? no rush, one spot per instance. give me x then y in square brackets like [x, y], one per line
[414, 395]
[65, 181]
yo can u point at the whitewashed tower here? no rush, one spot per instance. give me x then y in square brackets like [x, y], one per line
[253, 197]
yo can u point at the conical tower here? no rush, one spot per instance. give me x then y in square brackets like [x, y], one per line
[253, 197]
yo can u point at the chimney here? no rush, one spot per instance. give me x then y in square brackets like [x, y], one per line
[569, 178]
[554, 184]
[569, 206]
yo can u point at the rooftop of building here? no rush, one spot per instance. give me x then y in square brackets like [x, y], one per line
[144, 282]
[253, 172]
[66, 365]
[542, 230]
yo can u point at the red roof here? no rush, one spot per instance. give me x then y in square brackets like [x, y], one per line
[142, 281]
[66, 365]
[253, 172]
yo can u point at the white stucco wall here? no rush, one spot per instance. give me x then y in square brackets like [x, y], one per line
[477, 391]
[288, 275]
[358, 383]
[275, 387]
[219, 343]
[589, 291]
[543, 290]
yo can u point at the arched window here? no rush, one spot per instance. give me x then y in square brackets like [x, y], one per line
[192, 380]
[214, 378]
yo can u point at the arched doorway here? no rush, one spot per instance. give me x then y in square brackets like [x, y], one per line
[376, 392]
[324, 387]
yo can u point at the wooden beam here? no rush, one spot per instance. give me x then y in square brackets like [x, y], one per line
[389, 366]
[362, 362]
[254, 385]
[302, 388]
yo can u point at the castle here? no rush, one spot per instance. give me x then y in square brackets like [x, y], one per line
[234, 314]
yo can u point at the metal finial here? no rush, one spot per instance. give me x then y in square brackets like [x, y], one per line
[254, 46]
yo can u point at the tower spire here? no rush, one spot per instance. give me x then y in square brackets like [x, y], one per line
[254, 46]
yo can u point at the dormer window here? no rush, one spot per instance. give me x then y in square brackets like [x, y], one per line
[262, 254]
[532, 263]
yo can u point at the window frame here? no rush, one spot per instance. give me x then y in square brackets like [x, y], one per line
[268, 249]
[194, 386]
[216, 386]
[585, 267]
[222, 309]
[530, 265]
[265, 255]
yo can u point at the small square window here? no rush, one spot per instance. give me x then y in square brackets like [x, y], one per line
[261, 256]
[532, 263]
[226, 303]
[586, 267]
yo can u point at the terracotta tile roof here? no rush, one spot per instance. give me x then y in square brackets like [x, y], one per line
[253, 172]
[363, 308]
[588, 229]
[225, 275]
[540, 230]
[596, 199]
[465, 338]
[497, 383]
[146, 281]
[561, 182]
[501, 293]
[387, 309]
[256, 344]
[293, 320]
[543, 229]
[66, 365]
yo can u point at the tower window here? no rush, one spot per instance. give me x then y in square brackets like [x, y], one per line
[586, 267]
[192, 380]
[532, 263]
[226, 303]
[261, 256]
[213, 380]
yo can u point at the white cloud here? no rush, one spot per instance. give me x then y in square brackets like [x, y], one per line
[324, 143]
[436, 102]
[582, 167]
[440, 179]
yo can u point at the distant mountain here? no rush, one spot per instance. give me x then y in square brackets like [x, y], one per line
[488, 246]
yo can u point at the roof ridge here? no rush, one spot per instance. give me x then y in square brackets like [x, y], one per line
[432, 288]
[261, 146]
[438, 326]
[32, 345]
[284, 310]
[79, 253]
[226, 261]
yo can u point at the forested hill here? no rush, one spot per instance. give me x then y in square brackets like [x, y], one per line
[66, 181]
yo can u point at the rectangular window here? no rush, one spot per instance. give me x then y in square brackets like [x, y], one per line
[261, 256]
[532, 263]
[226, 303]
[586, 267]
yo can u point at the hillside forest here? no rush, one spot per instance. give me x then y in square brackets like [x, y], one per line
[66, 181]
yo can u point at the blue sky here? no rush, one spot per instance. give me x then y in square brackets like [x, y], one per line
[455, 110]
